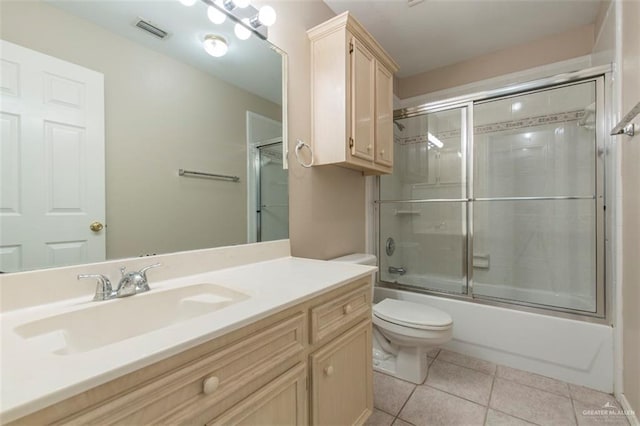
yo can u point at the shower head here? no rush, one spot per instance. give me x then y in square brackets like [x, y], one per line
[400, 126]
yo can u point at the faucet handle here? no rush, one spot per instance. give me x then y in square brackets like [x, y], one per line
[144, 270]
[144, 285]
[104, 290]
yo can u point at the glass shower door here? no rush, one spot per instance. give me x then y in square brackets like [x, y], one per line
[535, 210]
[422, 206]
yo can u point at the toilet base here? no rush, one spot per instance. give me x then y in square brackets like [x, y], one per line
[409, 364]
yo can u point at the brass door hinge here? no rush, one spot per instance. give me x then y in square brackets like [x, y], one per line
[351, 142]
[350, 47]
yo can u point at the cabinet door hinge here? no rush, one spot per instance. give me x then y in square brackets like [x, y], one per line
[350, 142]
[350, 47]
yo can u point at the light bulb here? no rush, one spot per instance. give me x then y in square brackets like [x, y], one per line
[188, 2]
[241, 3]
[215, 45]
[267, 16]
[215, 15]
[242, 32]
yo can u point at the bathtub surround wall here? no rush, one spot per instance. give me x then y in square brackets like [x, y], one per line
[144, 194]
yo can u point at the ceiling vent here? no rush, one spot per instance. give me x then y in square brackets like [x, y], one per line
[151, 29]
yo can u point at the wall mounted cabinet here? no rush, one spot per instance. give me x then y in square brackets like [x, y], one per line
[352, 97]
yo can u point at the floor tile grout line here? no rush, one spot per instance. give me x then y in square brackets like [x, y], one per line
[486, 412]
[468, 368]
[573, 408]
[515, 417]
[453, 394]
[471, 368]
[405, 403]
[386, 412]
[533, 387]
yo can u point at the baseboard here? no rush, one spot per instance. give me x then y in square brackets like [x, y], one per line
[632, 416]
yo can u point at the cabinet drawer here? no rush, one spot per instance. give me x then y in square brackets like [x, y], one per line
[282, 402]
[340, 313]
[205, 387]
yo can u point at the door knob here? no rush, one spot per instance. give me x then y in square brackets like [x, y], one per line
[96, 226]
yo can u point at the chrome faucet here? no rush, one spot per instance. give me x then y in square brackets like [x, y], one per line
[134, 282]
[401, 270]
[104, 291]
[130, 283]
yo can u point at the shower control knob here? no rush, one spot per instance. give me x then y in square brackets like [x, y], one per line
[328, 371]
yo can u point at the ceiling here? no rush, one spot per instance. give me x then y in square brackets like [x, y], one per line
[435, 33]
[187, 27]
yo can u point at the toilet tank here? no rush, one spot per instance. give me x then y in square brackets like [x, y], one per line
[358, 258]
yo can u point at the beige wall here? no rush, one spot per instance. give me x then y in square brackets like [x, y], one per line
[630, 70]
[160, 115]
[567, 45]
[327, 211]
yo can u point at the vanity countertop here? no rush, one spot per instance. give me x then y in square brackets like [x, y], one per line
[33, 378]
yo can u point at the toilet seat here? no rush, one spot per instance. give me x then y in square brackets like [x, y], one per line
[412, 315]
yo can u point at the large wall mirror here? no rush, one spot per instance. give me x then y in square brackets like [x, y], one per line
[99, 115]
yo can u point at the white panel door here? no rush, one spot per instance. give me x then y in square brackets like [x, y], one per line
[51, 161]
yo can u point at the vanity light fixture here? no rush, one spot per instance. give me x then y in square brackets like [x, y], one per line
[232, 4]
[266, 16]
[247, 17]
[241, 31]
[215, 46]
[215, 15]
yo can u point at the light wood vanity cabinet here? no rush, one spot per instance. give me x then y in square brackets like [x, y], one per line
[352, 97]
[309, 364]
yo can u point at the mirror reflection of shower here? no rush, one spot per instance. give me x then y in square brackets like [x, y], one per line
[272, 194]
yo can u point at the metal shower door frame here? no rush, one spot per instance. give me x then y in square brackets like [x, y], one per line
[599, 75]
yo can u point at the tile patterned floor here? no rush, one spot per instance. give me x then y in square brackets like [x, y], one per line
[461, 390]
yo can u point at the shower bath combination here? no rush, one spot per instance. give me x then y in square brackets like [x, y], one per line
[509, 211]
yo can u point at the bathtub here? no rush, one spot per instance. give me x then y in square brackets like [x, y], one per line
[570, 350]
[507, 294]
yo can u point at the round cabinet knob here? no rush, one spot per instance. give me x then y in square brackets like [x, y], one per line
[96, 226]
[369, 147]
[210, 385]
[347, 309]
[328, 371]
[382, 153]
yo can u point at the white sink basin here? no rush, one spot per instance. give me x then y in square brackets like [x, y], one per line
[104, 323]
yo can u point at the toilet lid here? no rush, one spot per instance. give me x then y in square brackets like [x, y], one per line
[409, 314]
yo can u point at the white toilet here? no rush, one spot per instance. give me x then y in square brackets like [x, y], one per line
[404, 332]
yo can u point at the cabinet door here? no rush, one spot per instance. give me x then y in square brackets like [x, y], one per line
[384, 116]
[282, 402]
[342, 379]
[362, 101]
